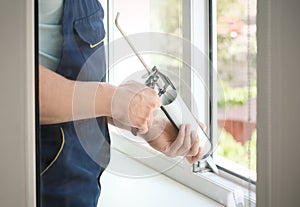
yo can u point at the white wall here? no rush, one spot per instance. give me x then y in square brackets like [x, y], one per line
[17, 104]
[278, 182]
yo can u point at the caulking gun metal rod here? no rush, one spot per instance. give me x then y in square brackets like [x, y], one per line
[131, 45]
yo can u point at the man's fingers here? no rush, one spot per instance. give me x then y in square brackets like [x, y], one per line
[172, 151]
[145, 129]
[133, 104]
[187, 142]
[154, 101]
[194, 149]
[197, 157]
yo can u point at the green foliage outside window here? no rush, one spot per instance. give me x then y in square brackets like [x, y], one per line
[234, 96]
[231, 149]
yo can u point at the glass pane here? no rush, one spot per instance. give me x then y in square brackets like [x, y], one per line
[152, 23]
[236, 112]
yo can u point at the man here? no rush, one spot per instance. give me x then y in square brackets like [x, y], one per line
[76, 103]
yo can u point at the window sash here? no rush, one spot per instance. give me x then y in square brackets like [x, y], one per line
[197, 17]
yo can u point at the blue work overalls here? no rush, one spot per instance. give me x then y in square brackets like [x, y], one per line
[71, 166]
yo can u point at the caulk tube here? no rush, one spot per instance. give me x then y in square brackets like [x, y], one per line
[178, 113]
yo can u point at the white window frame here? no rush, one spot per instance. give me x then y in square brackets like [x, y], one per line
[224, 188]
[17, 89]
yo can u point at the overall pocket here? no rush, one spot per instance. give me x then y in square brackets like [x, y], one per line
[53, 156]
[90, 32]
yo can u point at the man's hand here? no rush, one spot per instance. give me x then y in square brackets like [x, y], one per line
[164, 137]
[133, 104]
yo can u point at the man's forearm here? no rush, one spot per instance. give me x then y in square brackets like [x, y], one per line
[63, 100]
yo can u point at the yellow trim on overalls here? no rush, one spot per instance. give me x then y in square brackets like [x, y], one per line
[58, 153]
[96, 44]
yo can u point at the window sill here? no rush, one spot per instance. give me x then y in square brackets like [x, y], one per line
[220, 188]
[121, 188]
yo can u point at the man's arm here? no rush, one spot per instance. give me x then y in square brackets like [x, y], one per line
[56, 98]
[63, 100]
